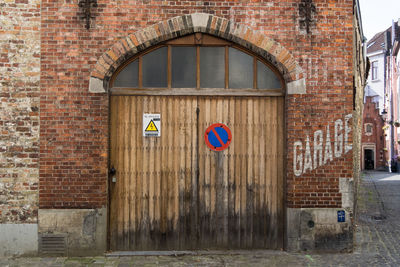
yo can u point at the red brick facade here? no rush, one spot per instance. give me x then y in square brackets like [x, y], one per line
[74, 122]
[373, 135]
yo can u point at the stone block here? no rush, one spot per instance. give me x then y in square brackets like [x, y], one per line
[18, 240]
[317, 229]
[96, 85]
[292, 219]
[85, 229]
[297, 87]
[346, 188]
[200, 21]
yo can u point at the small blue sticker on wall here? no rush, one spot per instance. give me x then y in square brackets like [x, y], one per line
[341, 216]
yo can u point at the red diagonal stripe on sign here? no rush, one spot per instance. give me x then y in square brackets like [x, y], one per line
[216, 135]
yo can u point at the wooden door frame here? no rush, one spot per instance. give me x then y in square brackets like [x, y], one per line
[210, 92]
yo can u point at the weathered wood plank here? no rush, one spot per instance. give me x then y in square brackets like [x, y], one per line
[233, 228]
[256, 172]
[145, 227]
[182, 168]
[175, 169]
[113, 160]
[224, 176]
[133, 168]
[212, 158]
[138, 174]
[195, 184]
[238, 160]
[281, 172]
[150, 108]
[170, 173]
[263, 171]
[269, 168]
[120, 173]
[125, 161]
[250, 187]
[198, 38]
[243, 176]
[164, 172]
[200, 171]
[273, 177]
[205, 213]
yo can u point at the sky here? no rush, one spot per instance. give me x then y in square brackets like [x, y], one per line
[377, 15]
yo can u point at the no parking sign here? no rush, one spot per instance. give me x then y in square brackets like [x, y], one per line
[218, 137]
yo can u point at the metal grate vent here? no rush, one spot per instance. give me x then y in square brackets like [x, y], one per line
[52, 244]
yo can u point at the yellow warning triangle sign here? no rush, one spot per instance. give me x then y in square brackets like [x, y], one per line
[151, 127]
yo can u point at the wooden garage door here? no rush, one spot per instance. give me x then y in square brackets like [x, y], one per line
[173, 192]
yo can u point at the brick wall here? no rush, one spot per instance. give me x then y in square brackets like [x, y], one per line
[326, 57]
[19, 110]
[73, 133]
[74, 122]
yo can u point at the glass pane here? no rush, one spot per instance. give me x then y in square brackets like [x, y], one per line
[266, 78]
[128, 77]
[183, 63]
[212, 67]
[154, 67]
[240, 69]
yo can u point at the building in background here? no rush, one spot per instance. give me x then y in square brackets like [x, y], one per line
[383, 81]
[372, 151]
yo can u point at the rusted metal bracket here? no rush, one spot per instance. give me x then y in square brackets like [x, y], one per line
[86, 6]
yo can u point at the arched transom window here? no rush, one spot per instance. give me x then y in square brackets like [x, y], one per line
[197, 64]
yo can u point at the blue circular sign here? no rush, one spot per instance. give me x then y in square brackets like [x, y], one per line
[218, 137]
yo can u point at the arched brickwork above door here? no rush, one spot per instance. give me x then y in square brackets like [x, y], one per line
[175, 27]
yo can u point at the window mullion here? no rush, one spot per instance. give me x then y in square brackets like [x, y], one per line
[198, 67]
[254, 73]
[226, 67]
[169, 72]
[140, 73]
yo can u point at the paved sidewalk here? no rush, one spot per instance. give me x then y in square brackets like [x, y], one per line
[377, 240]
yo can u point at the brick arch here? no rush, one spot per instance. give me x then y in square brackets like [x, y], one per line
[175, 27]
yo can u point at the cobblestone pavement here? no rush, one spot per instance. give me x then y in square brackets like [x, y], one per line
[377, 240]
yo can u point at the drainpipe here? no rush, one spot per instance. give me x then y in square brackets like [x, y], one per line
[388, 98]
[391, 78]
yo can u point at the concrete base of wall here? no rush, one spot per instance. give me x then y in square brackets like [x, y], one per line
[84, 230]
[318, 229]
[18, 240]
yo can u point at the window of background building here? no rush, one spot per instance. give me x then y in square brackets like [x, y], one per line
[398, 99]
[374, 70]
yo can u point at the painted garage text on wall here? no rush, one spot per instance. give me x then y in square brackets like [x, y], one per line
[319, 151]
